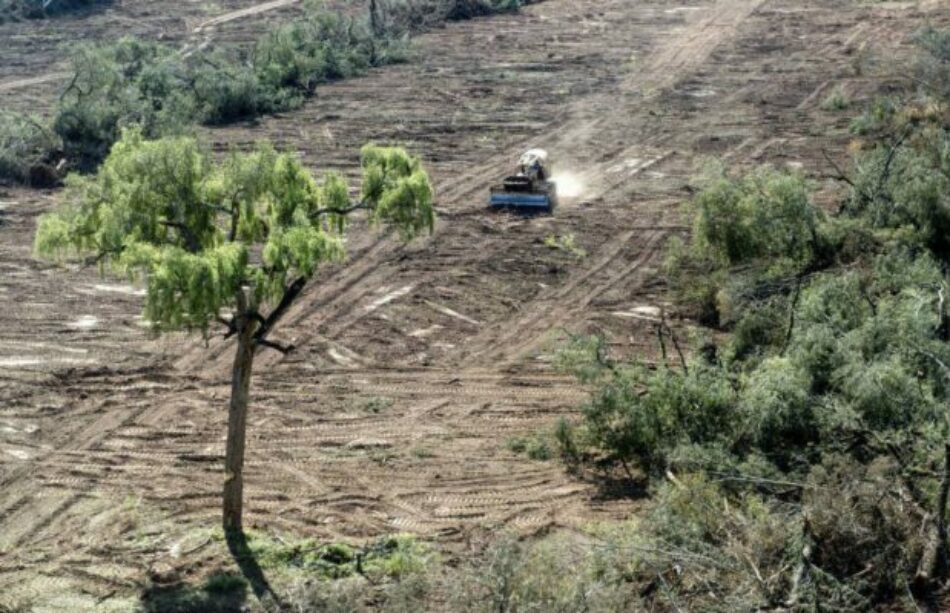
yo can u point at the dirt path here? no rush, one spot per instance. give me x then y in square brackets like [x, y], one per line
[252, 11]
[9, 86]
[416, 364]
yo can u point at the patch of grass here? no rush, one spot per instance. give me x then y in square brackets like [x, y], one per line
[224, 583]
[388, 557]
[536, 447]
[837, 100]
[422, 453]
[377, 404]
[565, 243]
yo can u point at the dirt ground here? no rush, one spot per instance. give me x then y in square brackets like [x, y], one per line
[416, 365]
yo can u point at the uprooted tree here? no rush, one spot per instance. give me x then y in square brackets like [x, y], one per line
[229, 244]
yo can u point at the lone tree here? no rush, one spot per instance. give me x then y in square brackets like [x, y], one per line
[230, 244]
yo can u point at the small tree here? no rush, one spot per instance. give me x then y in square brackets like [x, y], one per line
[231, 243]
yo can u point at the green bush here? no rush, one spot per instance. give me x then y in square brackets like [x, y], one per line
[766, 214]
[226, 91]
[637, 416]
[777, 412]
[819, 471]
[27, 150]
[419, 15]
[153, 86]
[13, 10]
[128, 83]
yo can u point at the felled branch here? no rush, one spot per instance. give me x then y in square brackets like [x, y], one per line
[841, 176]
[284, 349]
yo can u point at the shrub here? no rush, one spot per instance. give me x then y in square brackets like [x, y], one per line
[836, 100]
[776, 408]
[638, 416]
[765, 214]
[864, 540]
[12, 10]
[27, 150]
[226, 91]
[164, 92]
[128, 83]
[819, 446]
[553, 574]
[536, 447]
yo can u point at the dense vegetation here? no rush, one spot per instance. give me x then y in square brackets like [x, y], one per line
[805, 461]
[165, 91]
[12, 10]
[26, 147]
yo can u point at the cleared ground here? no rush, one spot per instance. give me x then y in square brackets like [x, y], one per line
[416, 364]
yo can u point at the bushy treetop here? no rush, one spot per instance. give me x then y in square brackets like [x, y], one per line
[199, 231]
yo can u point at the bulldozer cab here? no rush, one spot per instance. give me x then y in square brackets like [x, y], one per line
[534, 164]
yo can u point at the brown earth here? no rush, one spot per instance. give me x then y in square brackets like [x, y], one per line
[415, 364]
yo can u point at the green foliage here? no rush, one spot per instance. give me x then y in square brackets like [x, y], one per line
[393, 557]
[467, 9]
[764, 222]
[775, 408]
[933, 65]
[400, 189]
[14, 10]
[806, 463]
[766, 214]
[536, 447]
[26, 149]
[163, 91]
[221, 592]
[836, 100]
[420, 15]
[553, 574]
[565, 243]
[322, 47]
[639, 416]
[221, 583]
[115, 86]
[163, 210]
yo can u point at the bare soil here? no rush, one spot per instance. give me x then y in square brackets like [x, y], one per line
[415, 364]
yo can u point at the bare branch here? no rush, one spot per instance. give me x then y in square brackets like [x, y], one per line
[359, 206]
[284, 349]
[290, 294]
[841, 176]
[229, 324]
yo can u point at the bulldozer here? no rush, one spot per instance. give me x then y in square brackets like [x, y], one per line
[530, 189]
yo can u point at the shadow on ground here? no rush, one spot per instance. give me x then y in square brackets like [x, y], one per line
[221, 592]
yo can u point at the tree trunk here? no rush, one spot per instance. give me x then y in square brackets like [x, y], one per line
[374, 18]
[237, 426]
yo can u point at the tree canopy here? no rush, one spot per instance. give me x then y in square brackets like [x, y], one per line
[197, 231]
